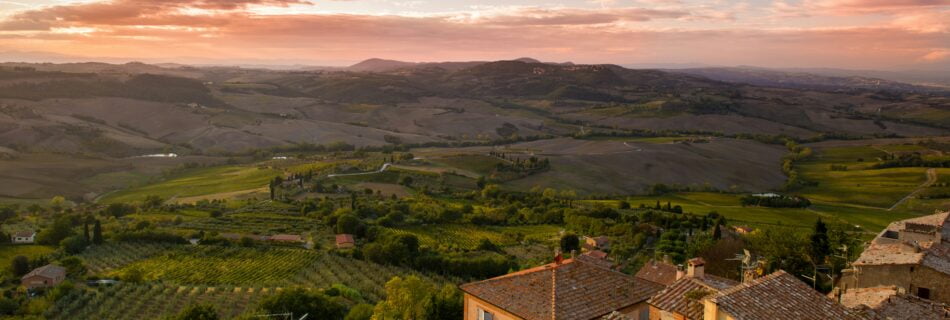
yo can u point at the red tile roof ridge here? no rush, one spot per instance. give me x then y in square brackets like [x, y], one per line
[752, 283]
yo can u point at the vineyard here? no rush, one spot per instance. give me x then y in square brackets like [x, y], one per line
[153, 301]
[257, 224]
[469, 236]
[236, 266]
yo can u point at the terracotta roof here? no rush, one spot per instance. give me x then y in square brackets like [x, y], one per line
[597, 254]
[24, 234]
[885, 303]
[344, 238]
[674, 297]
[658, 272]
[779, 296]
[601, 240]
[575, 289]
[871, 297]
[48, 271]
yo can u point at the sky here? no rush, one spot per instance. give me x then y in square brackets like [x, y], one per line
[854, 34]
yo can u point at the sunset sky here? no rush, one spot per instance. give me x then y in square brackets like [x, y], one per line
[873, 34]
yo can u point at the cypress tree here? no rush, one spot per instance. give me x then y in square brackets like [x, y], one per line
[97, 233]
[820, 245]
[85, 231]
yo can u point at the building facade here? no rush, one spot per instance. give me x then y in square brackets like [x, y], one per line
[912, 254]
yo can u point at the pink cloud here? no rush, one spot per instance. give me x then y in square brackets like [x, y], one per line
[227, 31]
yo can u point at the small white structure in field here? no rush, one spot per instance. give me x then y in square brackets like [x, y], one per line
[161, 155]
[23, 237]
[280, 158]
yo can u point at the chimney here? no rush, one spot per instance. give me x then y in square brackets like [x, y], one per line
[696, 268]
[679, 272]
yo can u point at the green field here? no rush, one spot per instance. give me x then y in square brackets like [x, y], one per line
[215, 266]
[200, 182]
[479, 164]
[872, 220]
[468, 236]
[859, 184]
[9, 251]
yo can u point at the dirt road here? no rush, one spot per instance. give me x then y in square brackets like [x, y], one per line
[931, 179]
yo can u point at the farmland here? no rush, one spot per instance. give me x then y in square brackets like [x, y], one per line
[218, 275]
[8, 251]
[468, 236]
[199, 182]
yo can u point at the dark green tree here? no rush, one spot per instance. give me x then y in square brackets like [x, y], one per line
[301, 301]
[97, 233]
[85, 232]
[362, 311]
[20, 265]
[717, 229]
[198, 312]
[570, 242]
[61, 229]
[820, 245]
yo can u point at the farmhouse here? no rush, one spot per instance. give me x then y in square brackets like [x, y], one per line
[579, 288]
[44, 277]
[683, 298]
[596, 243]
[345, 241]
[23, 237]
[912, 254]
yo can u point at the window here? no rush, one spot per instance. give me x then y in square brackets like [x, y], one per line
[645, 313]
[485, 315]
[923, 293]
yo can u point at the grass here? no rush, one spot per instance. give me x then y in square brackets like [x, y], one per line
[199, 182]
[469, 236]
[233, 268]
[222, 266]
[870, 219]
[859, 184]
[9, 251]
[480, 164]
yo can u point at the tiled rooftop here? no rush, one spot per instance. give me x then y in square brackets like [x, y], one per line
[886, 250]
[658, 272]
[684, 297]
[884, 303]
[577, 288]
[779, 296]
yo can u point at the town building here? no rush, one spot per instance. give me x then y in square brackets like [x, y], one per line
[912, 254]
[596, 243]
[345, 241]
[581, 288]
[44, 277]
[889, 303]
[683, 299]
[778, 296]
[659, 272]
[23, 237]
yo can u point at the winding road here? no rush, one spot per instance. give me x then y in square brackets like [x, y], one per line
[381, 170]
[931, 179]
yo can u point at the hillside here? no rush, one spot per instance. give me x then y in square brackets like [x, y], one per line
[111, 113]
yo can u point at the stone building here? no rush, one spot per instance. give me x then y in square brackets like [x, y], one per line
[912, 255]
